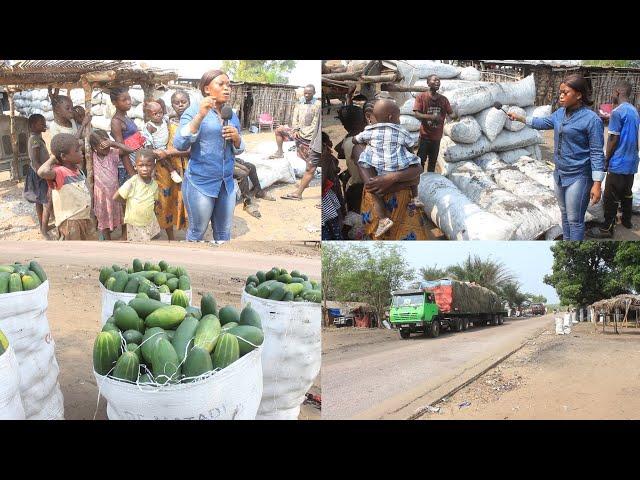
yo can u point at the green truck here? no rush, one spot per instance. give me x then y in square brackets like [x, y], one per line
[444, 304]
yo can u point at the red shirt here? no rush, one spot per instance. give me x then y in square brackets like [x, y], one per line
[428, 105]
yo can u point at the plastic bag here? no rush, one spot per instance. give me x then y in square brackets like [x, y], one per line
[10, 402]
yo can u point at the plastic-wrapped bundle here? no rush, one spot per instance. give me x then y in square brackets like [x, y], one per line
[507, 140]
[482, 190]
[101, 123]
[459, 152]
[442, 70]
[407, 107]
[470, 73]
[463, 297]
[457, 216]
[511, 156]
[136, 112]
[446, 168]
[450, 85]
[636, 193]
[514, 125]
[97, 110]
[48, 116]
[535, 151]
[410, 123]
[491, 121]
[533, 111]
[466, 130]
[137, 96]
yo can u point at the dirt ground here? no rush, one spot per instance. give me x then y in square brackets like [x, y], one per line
[582, 375]
[75, 301]
[332, 126]
[301, 218]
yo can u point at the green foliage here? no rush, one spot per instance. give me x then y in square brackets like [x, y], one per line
[433, 273]
[584, 272]
[627, 260]
[264, 71]
[612, 63]
[489, 273]
[537, 298]
[359, 273]
[510, 292]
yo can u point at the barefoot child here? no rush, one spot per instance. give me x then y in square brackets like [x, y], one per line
[387, 151]
[105, 170]
[69, 193]
[140, 193]
[36, 189]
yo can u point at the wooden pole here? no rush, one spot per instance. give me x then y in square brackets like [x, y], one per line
[15, 166]
[390, 87]
[88, 157]
[343, 75]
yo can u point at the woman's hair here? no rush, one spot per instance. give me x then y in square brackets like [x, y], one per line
[97, 136]
[208, 77]
[58, 100]
[116, 92]
[180, 92]
[579, 84]
[351, 116]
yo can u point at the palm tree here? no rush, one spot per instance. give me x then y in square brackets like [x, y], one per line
[489, 273]
[432, 273]
[512, 294]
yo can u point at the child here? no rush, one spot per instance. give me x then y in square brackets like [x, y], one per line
[386, 152]
[64, 117]
[140, 193]
[69, 193]
[105, 170]
[36, 189]
[332, 200]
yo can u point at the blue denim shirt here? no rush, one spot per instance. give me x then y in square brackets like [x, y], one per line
[209, 163]
[578, 144]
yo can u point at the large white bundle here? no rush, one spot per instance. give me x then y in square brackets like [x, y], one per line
[77, 96]
[470, 73]
[457, 216]
[137, 96]
[465, 130]
[449, 85]
[514, 125]
[195, 97]
[533, 111]
[299, 165]
[410, 123]
[446, 168]
[139, 123]
[232, 393]
[491, 121]
[636, 192]
[270, 171]
[407, 107]
[471, 100]
[97, 110]
[459, 152]
[511, 156]
[442, 70]
[10, 402]
[507, 140]
[136, 112]
[48, 116]
[290, 354]
[478, 186]
[110, 298]
[534, 151]
[26, 95]
[101, 123]
[23, 319]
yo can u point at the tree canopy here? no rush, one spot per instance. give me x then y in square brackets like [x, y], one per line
[263, 71]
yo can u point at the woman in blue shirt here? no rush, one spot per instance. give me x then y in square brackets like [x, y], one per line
[578, 153]
[208, 188]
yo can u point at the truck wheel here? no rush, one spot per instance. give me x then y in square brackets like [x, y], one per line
[500, 320]
[494, 320]
[465, 324]
[434, 329]
[459, 326]
[479, 323]
[404, 333]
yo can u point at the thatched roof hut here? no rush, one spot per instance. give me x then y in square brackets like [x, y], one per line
[615, 307]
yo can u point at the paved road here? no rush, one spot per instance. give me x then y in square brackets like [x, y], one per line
[379, 380]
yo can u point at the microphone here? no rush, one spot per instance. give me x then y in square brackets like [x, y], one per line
[226, 113]
[498, 106]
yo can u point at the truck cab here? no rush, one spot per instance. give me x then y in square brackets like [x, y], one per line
[413, 311]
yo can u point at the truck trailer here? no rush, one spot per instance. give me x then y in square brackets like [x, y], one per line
[444, 304]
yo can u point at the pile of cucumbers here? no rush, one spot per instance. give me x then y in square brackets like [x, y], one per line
[282, 286]
[149, 278]
[18, 277]
[149, 342]
[4, 343]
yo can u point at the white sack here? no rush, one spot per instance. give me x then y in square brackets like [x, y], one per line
[513, 125]
[511, 156]
[101, 123]
[465, 130]
[506, 140]
[636, 193]
[533, 111]
[457, 216]
[491, 121]
[407, 107]
[470, 73]
[10, 402]
[136, 112]
[270, 171]
[442, 70]
[290, 354]
[410, 123]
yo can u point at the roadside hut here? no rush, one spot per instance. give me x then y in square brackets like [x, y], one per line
[616, 307]
[69, 74]
[252, 99]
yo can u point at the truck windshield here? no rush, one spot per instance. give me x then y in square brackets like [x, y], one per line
[407, 300]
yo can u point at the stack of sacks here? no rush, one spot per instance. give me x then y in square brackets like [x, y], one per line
[30, 102]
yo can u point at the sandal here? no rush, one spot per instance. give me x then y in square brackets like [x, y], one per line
[291, 196]
[275, 155]
[252, 210]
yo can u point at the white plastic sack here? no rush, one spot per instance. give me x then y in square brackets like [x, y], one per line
[450, 85]
[270, 171]
[137, 96]
[470, 73]
[513, 125]
[559, 326]
[534, 151]
[457, 216]
[477, 185]
[512, 156]
[507, 140]
[101, 123]
[465, 130]
[290, 354]
[410, 123]
[407, 107]
[459, 152]
[10, 402]
[542, 111]
[110, 298]
[442, 70]
[566, 324]
[23, 319]
[299, 165]
[77, 96]
[491, 121]
[97, 110]
[232, 393]
[446, 168]
[48, 116]
[136, 112]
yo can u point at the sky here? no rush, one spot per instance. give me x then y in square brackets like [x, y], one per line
[306, 71]
[529, 261]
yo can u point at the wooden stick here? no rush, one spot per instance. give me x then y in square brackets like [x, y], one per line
[15, 167]
[88, 157]
[343, 75]
[390, 87]
[390, 77]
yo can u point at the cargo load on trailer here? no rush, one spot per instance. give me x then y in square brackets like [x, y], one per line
[463, 297]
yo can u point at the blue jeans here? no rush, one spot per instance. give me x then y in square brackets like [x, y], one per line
[573, 201]
[202, 210]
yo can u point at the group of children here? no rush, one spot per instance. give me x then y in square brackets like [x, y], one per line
[131, 190]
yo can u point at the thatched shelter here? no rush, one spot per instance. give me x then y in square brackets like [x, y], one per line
[69, 74]
[615, 307]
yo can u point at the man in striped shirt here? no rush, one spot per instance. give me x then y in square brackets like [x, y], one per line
[387, 151]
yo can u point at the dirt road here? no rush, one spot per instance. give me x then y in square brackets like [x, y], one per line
[281, 220]
[584, 375]
[75, 302]
[377, 375]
